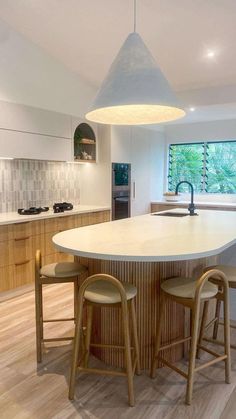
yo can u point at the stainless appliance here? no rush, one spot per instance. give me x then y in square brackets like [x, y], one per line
[121, 180]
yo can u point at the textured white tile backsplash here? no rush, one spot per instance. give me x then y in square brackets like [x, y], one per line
[25, 183]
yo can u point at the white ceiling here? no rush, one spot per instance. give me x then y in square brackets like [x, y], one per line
[85, 35]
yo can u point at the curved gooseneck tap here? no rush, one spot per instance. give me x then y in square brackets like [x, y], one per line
[191, 206]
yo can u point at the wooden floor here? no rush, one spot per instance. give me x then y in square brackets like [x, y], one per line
[41, 393]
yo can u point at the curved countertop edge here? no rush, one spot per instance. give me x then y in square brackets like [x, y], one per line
[133, 258]
[15, 218]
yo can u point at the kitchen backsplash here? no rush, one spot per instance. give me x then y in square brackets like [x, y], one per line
[25, 183]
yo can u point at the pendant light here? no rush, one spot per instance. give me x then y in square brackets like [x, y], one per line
[134, 92]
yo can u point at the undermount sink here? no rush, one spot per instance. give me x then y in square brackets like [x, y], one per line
[171, 214]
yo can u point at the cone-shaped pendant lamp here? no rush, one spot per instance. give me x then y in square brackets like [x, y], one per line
[135, 92]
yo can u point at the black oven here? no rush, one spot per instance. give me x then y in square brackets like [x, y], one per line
[121, 179]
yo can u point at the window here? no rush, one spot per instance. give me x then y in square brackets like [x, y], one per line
[209, 166]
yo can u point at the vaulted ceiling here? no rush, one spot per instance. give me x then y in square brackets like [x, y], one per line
[85, 35]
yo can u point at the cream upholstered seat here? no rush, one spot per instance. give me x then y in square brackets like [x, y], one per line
[62, 269]
[103, 292]
[186, 288]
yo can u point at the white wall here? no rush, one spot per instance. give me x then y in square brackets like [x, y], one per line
[201, 131]
[32, 77]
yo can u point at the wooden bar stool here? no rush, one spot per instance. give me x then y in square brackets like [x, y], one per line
[105, 290]
[191, 293]
[230, 273]
[53, 273]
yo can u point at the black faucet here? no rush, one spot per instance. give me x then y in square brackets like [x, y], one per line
[191, 206]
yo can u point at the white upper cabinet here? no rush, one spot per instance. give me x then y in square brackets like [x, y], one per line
[33, 120]
[32, 133]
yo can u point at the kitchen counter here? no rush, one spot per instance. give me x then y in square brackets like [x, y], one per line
[199, 204]
[153, 238]
[14, 217]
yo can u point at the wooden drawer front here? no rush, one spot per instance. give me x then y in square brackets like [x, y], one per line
[65, 223]
[51, 224]
[49, 246]
[78, 220]
[21, 250]
[6, 232]
[6, 278]
[100, 217]
[106, 216]
[85, 219]
[23, 273]
[5, 256]
[22, 230]
[37, 227]
[38, 242]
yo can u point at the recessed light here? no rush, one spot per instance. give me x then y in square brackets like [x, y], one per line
[210, 54]
[192, 109]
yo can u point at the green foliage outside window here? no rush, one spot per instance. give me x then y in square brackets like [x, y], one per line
[209, 166]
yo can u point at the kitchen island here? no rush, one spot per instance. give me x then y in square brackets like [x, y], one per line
[145, 250]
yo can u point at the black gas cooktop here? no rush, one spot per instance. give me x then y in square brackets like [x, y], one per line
[32, 210]
[57, 207]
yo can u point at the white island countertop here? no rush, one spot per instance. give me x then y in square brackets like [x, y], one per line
[14, 217]
[153, 238]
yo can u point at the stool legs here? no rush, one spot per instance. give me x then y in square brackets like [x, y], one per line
[227, 338]
[217, 317]
[158, 336]
[88, 334]
[39, 319]
[128, 362]
[76, 295]
[203, 325]
[78, 327]
[135, 337]
[193, 351]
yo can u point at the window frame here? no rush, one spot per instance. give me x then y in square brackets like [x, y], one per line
[204, 143]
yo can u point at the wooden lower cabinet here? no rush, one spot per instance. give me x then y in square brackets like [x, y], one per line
[19, 242]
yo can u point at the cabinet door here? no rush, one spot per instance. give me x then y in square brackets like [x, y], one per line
[34, 120]
[34, 146]
[67, 222]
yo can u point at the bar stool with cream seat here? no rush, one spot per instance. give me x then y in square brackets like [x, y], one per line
[191, 293]
[230, 273]
[106, 291]
[54, 273]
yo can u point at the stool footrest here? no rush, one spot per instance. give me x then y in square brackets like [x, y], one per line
[177, 342]
[57, 339]
[107, 346]
[208, 364]
[218, 342]
[59, 320]
[173, 367]
[209, 351]
[101, 371]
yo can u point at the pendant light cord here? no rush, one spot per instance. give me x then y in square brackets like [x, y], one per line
[135, 15]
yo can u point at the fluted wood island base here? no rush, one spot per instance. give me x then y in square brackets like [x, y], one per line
[146, 250]
[146, 276]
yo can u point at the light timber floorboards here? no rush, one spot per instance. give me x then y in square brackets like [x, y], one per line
[41, 393]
